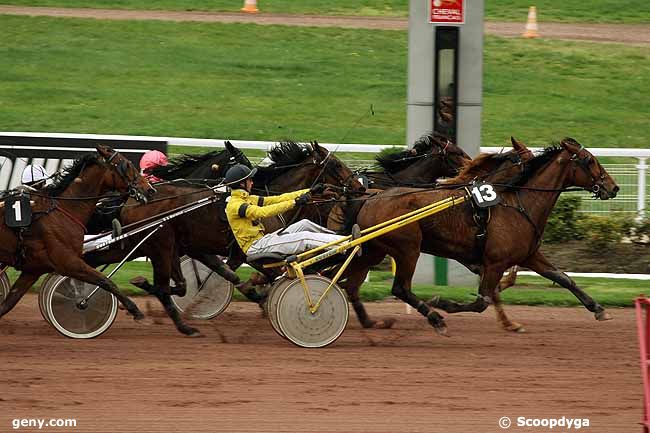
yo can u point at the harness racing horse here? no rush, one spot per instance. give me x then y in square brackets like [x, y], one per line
[181, 235]
[205, 233]
[512, 237]
[449, 160]
[54, 241]
[433, 156]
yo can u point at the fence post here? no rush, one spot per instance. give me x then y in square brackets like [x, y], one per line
[640, 206]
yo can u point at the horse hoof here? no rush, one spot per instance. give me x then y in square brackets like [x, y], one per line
[383, 324]
[602, 316]
[194, 333]
[516, 327]
[138, 316]
[433, 302]
[139, 281]
[442, 330]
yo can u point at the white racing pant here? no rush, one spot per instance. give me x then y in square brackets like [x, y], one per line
[295, 239]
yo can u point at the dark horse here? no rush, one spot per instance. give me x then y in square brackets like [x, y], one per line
[513, 236]
[180, 235]
[54, 241]
[205, 233]
[433, 156]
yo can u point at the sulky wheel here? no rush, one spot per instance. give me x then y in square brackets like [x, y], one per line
[208, 293]
[5, 286]
[304, 328]
[272, 302]
[49, 279]
[62, 306]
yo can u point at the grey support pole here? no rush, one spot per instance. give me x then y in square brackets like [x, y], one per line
[420, 104]
[470, 78]
[419, 116]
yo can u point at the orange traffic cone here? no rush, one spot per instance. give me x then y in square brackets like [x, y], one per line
[250, 6]
[531, 24]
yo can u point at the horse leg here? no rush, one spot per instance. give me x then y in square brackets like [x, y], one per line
[540, 264]
[506, 323]
[509, 280]
[246, 288]
[217, 265]
[352, 286]
[18, 290]
[161, 273]
[180, 288]
[489, 290]
[353, 278]
[479, 305]
[402, 290]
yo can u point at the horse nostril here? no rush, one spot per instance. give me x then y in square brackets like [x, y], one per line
[616, 189]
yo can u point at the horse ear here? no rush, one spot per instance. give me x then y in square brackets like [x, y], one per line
[315, 146]
[229, 146]
[518, 145]
[103, 150]
[570, 144]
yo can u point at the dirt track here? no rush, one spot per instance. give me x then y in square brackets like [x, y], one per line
[146, 378]
[634, 34]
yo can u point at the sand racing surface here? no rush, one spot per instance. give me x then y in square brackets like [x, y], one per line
[148, 378]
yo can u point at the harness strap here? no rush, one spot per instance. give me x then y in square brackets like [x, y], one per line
[72, 217]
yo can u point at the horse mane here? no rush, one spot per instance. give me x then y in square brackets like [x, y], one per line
[393, 160]
[62, 179]
[289, 153]
[181, 166]
[533, 165]
[285, 156]
[479, 166]
[427, 142]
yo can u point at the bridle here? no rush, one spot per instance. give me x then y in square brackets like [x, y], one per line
[598, 181]
[121, 167]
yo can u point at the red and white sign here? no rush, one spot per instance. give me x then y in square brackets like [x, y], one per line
[447, 12]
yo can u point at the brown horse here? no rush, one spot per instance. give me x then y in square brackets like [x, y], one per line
[54, 241]
[513, 234]
[501, 165]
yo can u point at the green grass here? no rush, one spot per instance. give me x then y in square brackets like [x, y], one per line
[529, 290]
[268, 83]
[629, 11]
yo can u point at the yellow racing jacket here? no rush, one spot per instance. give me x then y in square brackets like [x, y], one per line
[244, 212]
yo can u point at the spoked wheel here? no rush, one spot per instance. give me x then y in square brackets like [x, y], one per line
[304, 328]
[208, 293]
[5, 286]
[62, 306]
[272, 303]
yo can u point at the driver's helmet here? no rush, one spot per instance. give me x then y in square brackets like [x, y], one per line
[34, 175]
[238, 173]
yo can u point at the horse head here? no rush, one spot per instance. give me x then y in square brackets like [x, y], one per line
[333, 171]
[122, 175]
[443, 148]
[587, 172]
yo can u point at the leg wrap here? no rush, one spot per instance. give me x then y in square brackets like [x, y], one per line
[423, 309]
